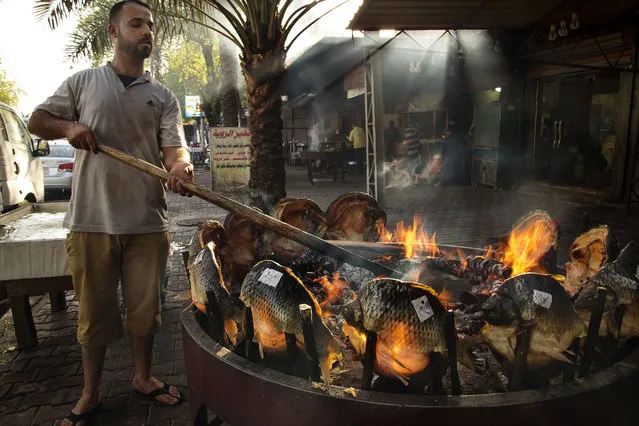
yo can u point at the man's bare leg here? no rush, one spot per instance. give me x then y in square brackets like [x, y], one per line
[142, 348]
[92, 363]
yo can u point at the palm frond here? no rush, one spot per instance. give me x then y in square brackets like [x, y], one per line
[56, 11]
[287, 29]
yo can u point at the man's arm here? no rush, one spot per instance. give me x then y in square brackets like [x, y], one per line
[177, 161]
[46, 126]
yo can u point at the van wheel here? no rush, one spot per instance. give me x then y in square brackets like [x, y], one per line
[30, 198]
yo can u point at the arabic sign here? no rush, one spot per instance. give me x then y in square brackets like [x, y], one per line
[192, 107]
[230, 158]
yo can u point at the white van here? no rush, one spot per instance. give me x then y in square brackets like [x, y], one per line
[21, 175]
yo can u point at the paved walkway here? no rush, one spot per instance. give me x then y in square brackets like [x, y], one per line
[39, 386]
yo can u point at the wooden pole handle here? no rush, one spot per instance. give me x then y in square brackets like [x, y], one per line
[261, 219]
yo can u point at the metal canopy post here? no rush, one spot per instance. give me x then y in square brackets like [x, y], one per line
[371, 130]
[374, 106]
[633, 131]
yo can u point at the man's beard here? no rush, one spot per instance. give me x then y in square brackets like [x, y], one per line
[137, 49]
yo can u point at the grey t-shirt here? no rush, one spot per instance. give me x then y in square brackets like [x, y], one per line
[109, 196]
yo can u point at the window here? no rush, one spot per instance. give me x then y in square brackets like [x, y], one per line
[15, 129]
[62, 151]
[3, 131]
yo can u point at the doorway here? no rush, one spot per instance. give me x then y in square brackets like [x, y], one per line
[576, 143]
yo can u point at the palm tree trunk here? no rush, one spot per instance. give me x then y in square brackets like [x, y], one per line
[229, 97]
[263, 74]
[210, 98]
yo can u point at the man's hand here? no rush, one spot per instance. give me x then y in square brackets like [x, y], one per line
[184, 171]
[81, 137]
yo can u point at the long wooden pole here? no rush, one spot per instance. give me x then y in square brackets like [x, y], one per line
[261, 219]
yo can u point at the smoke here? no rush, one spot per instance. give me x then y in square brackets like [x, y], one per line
[313, 135]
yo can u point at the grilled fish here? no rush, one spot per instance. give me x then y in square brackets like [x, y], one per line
[588, 254]
[408, 319]
[621, 278]
[301, 213]
[355, 217]
[245, 248]
[536, 299]
[274, 294]
[206, 279]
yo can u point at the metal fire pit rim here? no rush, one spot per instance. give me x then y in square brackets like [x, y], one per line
[618, 371]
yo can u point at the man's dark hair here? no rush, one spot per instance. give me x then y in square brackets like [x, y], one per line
[116, 9]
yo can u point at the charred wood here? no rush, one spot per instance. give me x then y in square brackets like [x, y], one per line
[486, 268]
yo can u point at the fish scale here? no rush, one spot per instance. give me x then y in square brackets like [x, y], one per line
[274, 303]
[542, 302]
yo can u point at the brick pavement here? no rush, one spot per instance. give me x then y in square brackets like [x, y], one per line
[39, 386]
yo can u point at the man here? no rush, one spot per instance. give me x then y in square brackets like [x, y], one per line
[117, 215]
[413, 149]
[357, 139]
[391, 138]
[454, 151]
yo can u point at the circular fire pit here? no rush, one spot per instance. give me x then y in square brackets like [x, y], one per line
[244, 393]
[241, 392]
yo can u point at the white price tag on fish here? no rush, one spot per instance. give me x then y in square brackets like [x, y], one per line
[270, 277]
[542, 299]
[423, 308]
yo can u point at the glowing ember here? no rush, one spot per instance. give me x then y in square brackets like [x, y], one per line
[334, 289]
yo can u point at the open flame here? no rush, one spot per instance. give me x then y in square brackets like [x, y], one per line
[523, 252]
[414, 237]
[527, 247]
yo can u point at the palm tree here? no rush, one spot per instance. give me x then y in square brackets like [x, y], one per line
[263, 31]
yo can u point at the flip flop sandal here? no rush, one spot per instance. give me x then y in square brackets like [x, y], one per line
[164, 390]
[82, 417]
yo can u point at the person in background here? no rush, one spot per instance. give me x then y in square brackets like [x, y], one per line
[391, 138]
[412, 147]
[357, 141]
[454, 149]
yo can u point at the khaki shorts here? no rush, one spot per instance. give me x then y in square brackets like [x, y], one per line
[98, 263]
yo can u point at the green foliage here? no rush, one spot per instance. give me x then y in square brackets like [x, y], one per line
[9, 92]
[185, 72]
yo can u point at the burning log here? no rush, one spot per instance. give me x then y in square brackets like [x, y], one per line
[486, 268]
[355, 217]
[301, 213]
[588, 254]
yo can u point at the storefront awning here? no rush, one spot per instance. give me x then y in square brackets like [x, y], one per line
[482, 14]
